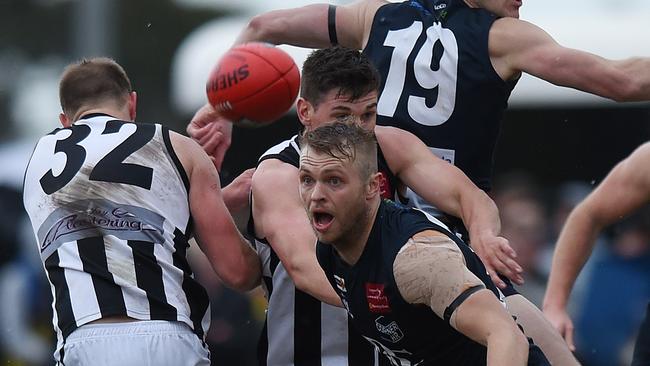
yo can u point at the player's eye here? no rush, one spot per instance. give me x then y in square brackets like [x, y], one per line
[334, 181]
[306, 180]
[342, 117]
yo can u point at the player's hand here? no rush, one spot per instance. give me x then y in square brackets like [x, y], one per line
[212, 131]
[235, 194]
[560, 319]
[498, 257]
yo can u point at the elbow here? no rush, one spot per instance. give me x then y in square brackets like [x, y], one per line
[296, 273]
[245, 281]
[628, 90]
[245, 276]
[301, 283]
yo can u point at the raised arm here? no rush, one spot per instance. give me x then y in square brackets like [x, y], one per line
[308, 26]
[449, 189]
[230, 255]
[516, 45]
[625, 189]
[280, 218]
[431, 270]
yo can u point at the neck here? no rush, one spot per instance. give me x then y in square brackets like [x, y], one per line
[351, 247]
[114, 112]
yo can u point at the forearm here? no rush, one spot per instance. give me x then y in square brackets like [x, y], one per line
[231, 256]
[571, 252]
[480, 215]
[308, 277]
[505, 347]
[303, 27]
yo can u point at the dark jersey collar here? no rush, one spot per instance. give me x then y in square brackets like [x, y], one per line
[92, 115]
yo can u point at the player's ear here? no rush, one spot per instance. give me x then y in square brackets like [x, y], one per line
[304, 110]
[133, 101]
[374, 185]
[65, 122]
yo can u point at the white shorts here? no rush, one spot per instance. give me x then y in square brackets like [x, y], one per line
[140, 343]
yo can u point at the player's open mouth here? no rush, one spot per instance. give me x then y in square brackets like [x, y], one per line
[322, 220]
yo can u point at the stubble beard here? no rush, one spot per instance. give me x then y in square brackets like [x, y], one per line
[353, 228]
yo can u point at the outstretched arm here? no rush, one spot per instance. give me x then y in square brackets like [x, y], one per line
[280, 218]
[308, 26]
[516, 45]
[624, 190]
[230, 255]
[430, 269]
[449, 189]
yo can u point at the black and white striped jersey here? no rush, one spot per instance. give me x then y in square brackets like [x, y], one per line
[108, 202]
[299, 329]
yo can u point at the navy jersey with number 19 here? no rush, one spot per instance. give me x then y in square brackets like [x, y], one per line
[438, 81]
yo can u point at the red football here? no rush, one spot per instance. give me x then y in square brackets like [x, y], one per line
[254, 81]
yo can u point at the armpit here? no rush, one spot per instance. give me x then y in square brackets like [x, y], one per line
[431, 270]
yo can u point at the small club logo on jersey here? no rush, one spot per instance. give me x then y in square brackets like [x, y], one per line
[377, 300]
[385, 190]
[340, 283]
[390, 329]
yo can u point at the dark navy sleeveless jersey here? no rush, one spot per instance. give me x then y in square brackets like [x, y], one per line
[438, 81]
[408, 334]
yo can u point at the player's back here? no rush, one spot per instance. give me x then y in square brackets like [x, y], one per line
[438, 81]
[108, 201]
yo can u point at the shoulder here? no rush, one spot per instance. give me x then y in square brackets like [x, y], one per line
[275, 176]
[398, 218]
[642, 153]
[189, 152]
[390, 137]
[184, 145]
[507, 33]
[271, 170]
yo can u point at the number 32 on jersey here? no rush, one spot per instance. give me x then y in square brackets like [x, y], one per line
[111, 168]
[443, 77]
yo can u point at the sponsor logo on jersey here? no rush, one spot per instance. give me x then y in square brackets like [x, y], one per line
[377, 300]
[389, 329]
[86, 218]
